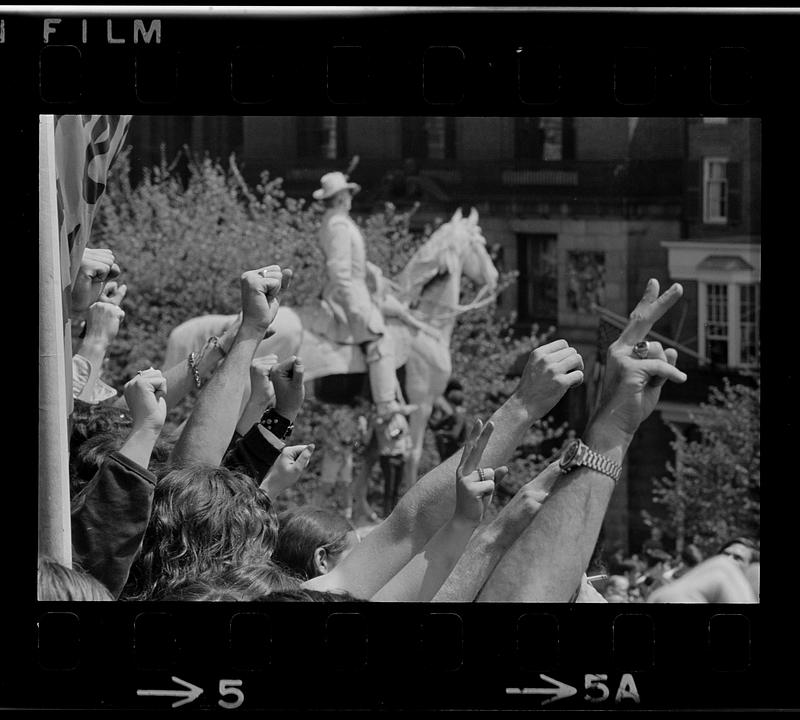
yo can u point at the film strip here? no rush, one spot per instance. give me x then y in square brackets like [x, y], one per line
[388, 62]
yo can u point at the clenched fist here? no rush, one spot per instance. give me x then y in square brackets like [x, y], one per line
[260, 290]
[551, 370]
[287, 469]
[97, 267]
[287, 380]
[146, 394]
[102, 322]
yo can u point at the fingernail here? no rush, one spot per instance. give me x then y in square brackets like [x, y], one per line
[310, 447]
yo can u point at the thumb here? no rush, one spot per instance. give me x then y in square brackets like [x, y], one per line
[295, 452]
[297, 372]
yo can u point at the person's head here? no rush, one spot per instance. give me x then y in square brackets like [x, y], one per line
[205, 519]
[343, 200]
[743, 550]
[616, 589]
[205, 590]
[335, 191]
[58, 582]
[308, 595]
[258, 580]
[312, 541]
[89, 419]
[97, 430]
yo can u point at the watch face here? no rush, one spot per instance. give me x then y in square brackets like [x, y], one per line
[570, 453]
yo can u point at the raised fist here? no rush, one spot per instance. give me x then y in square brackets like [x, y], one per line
[146, 394]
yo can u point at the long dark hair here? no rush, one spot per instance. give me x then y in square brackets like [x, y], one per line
[259, 580]
[205, 519]
[302, 531]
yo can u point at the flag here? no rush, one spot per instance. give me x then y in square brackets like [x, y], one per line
[75, 154]
[86, 147]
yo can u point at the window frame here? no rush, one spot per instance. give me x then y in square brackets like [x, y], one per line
[709, 219]
[734, 337]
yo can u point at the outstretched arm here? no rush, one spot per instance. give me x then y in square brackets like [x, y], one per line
[493, 540]
[210, 426]
[717, 579]
[550, 371]
[422, 577]
[547, 561]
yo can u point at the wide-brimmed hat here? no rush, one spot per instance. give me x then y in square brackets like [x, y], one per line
[332, 183]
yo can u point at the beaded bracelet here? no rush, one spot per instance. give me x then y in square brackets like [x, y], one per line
[192, 362]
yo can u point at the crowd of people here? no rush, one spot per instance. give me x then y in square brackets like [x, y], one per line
[191, 516]
[645, 576]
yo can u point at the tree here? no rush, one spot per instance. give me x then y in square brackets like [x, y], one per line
[713, 489]
[183, 242]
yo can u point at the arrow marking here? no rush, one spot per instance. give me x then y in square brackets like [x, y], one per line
[559, 691]
[191, 693]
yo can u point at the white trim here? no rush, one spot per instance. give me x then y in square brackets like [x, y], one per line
[684, 257]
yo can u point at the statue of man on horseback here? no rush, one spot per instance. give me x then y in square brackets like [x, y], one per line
[359, 320]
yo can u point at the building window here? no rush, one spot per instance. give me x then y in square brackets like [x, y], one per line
[586, 280]
[321, 137]
[729, 324]
[715, 190]
[538, 279]
[544, 138]
[429, 138]
[717, 329]
[749, 307]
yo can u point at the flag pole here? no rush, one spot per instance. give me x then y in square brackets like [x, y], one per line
[54, 507]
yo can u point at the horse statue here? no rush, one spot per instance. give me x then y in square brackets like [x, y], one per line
[430, 285]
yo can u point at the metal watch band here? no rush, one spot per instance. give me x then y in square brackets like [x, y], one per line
[601, 463]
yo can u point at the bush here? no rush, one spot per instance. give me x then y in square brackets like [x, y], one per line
[713, 490]
[183, 244]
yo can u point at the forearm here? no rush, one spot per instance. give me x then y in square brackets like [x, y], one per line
[420, 513]
[254, 453]
[431, 501]
[253, 410]
[139, 445]
[476, 563]
[212, 423]
[717, 579]
[94, 351]
[547, 561]
[422, 577]
[181, 380]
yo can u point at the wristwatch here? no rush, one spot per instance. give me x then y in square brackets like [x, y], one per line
[578, 454]
[278, 425]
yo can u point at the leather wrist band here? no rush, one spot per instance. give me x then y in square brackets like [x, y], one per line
[278, 425]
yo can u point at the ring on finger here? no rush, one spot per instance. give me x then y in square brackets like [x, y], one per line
[641, 349]
[481, 474]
